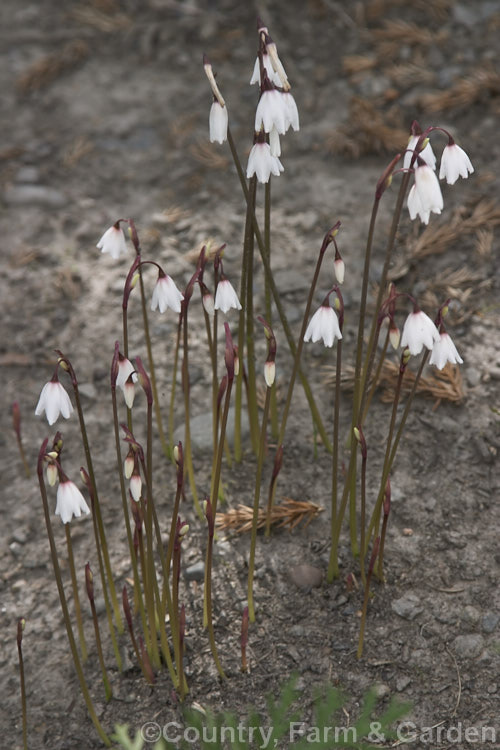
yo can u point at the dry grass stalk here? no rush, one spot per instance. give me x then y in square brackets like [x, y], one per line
[102, 16]
[435, 239]
[352, 64]
[210, 157]
[80, 147]
[388, 40]
[484, 242]
[438, 10]
[410, 74]
[50, 67]
[443, 385]
[368, 132]
[289, 514]
[480, 85]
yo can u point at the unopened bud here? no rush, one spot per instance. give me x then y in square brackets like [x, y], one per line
[21, 624]
[406, 356]
[89, 581]
[135, 279]
[336, 303]
[357, 434]
[129, 392]
[269, 373]
[63, 364]
[444, 310]
[339, 270]
[51, 474]
[128, 465]
[135, 487]
[394, 336]
[208, 304]
[236, 363]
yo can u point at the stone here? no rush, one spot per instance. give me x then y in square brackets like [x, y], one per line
[468, 646]
[29, 195]
[408, 606]
[489, 622]
[195, 572]
[306, 576]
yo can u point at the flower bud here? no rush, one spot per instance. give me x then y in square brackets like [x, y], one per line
[339, 270]
[135, 487]
[51, 474]
[128, 464]
[269, 373]
[394, 336]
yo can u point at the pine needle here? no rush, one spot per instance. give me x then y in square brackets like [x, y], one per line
[290, 513]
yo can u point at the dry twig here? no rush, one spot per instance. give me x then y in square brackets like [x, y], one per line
[43, 72]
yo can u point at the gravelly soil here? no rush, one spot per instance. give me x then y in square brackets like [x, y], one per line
[105, 110]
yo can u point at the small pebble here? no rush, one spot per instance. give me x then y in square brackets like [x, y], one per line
[468, 646]
[408, 606]
[489, 622]
[306, 576]
[195, 572]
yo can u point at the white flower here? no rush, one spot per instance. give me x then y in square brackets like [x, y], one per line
[429, 191]
[113, 242]
[419, 331]
[425, 195]
[125, 370]
[262, 163]
[272, 111]
[271, 74]
[208, 304]
[218, 123]
[427, 154]
[54, 401]
[454, 164]
[226, 297]
[444, 351]
[323, 325]
[166, 294]
[292, 113]
[70, 501]
[135, 487]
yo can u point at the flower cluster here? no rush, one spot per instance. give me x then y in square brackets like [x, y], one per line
[425, 195]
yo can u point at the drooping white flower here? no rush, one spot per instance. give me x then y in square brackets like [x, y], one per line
[262, 163]
[419, 331]
[218, 122]
[166, 294]
[339, 269]
[125, 370]
[113, 242]
[454, 164]
[270, 373]
[428, 188]
[272, 112]
[292, 113]
[70, 501]
[427, 154]
[135, 486]
[54, 401]
[271, 74]
[444, 351]
[226, 297]
[415, 207]
[323, 325]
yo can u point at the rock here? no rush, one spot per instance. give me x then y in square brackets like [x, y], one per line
[195, 572]
[470, 615]
[402, 682]
[408, 606]
[489, 622]
[473, 376]
[468, 646]
[306, 576]
[201, 430]
[28, 174]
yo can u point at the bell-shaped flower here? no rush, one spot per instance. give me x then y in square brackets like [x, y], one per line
[427, 154]
[270, 373]
[70, 501]
[454, 164]
[272, 111]
[54, 401]
[113, 242]
[135, 486]
[226, 297]
[218, 121]
[125, 370]
[291, 111]
[444, 351]
[271, 74]
[419, 331]
[274, 143]
[428, 189]
[323, 325]
[166, 294]
[262, 163]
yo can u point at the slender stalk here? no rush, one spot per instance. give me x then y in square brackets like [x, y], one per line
[253, 416]
[258, 477]
[128, 617]
[373, 388]
[76, 598]
[366, 597]
[210, 514]
[66, 364]
[16, 423]
[175, 366]
[335, 439]
[21, 624]
[387, 510]
[267, 298]
[90, 593]
[277, 300]
[64, 606]
[187, 416]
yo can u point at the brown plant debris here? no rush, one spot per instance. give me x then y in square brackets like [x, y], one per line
[352, 64]
[289, 513]
[50, 67]
[103, 16]
[443, 385]
[77, 150]
[436, 238]
[208, 156]
[478, 86]
[395, 33]
[438, 9]
[368, 131]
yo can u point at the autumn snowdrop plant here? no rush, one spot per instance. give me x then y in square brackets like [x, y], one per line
[241, 377]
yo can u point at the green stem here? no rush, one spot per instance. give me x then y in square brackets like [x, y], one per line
[76, 598]
[107, 687]
[188, 456]
[258, 477]
[366, 597]
[64, 606]
[20, 627]
[171, 410]
[335, 441]
[253, 416]
[267, 298]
